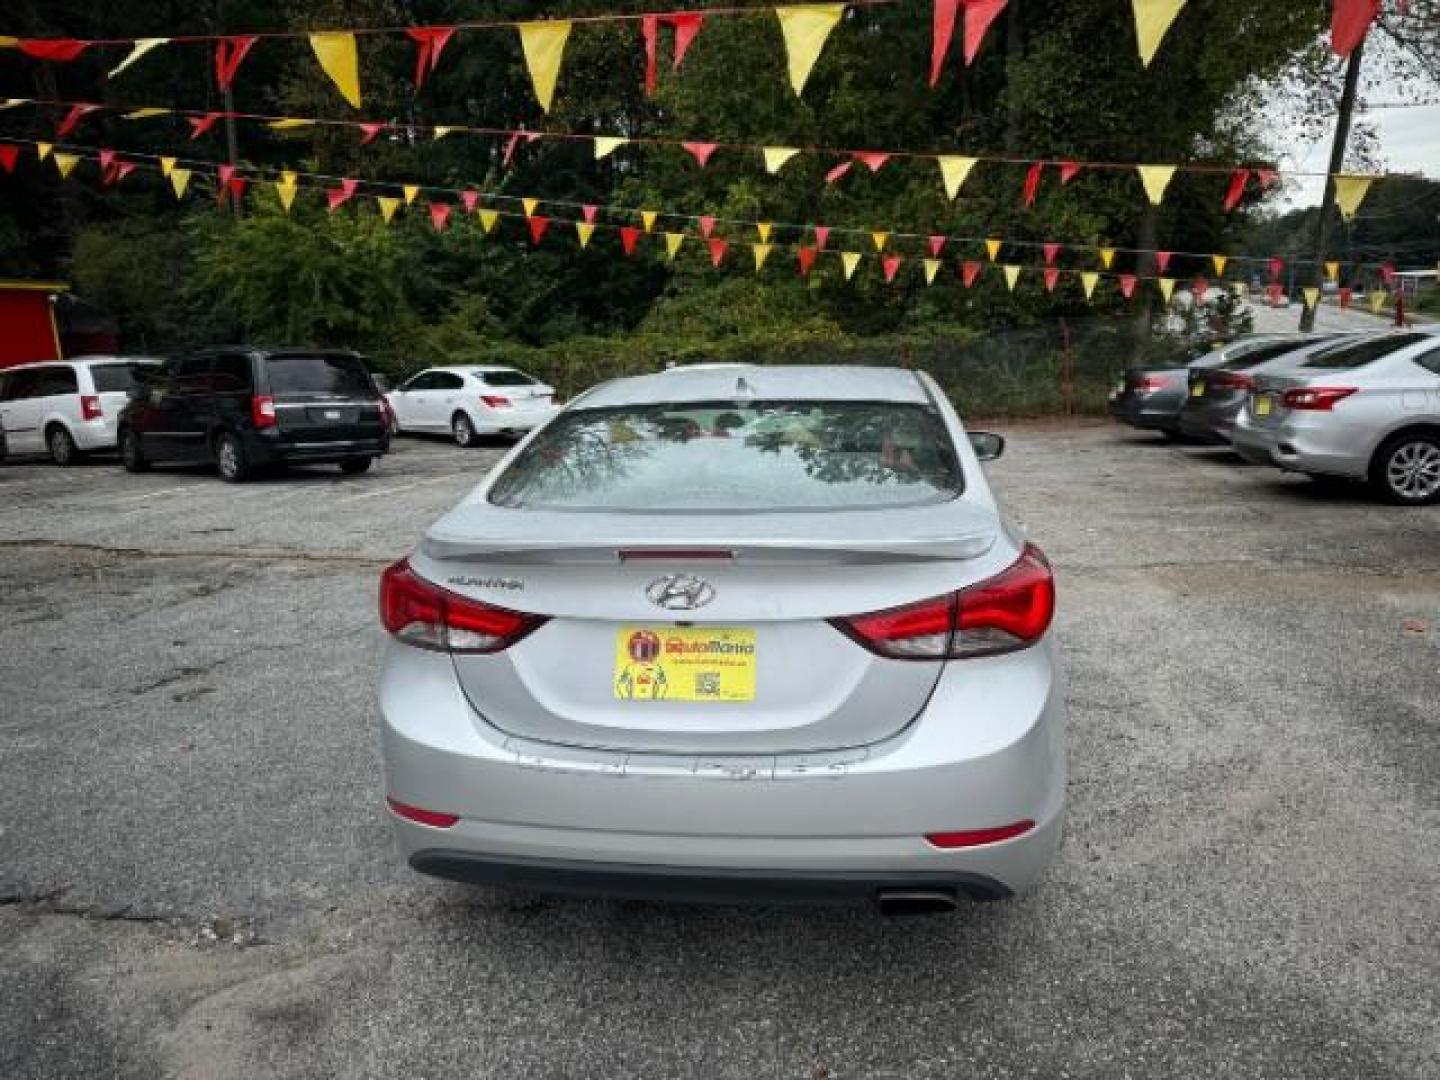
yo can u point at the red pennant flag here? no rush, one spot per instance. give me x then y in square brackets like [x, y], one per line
[942, 29]
[1345, 295]
[1162, 261]
[61, 49]
[1200, 287]
[1032, 182]
[538, 225]
[718, 247]
[588, 212]
[106, 159]
[1052, 275]
[969, 271]
[872, 159]
[235, 189]
[337, 197]
[1052, 252]
[1068, 171]
[199, 125]
[122, 169]
[1277, 267]
[822, 235]
[230, 52]
[838, 171]
[439, 215]
[73, 117]
[225, 173]
[1238, 179]
[707, 225]
[806, 256]
[700, 151]
[9, 155]
[686, 26]
[1267, 178]
[650, 32]
[1274, 293]
[1127, 285]
[891, 263]
[514, 141]
[979, 14]
[1350, 22]
[628, 235]
[369, 132]
[936, 244]
[430, 42]
[469, 199]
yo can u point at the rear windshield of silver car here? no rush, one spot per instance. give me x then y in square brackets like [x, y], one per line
[1355, 354]
[700, 457]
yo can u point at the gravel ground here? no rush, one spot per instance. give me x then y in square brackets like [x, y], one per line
[196, 879]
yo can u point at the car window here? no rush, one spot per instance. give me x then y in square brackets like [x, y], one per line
[56, 381]
[304, 374]
[20, 385]
[1357, 354]
[1257, 356]
[417, 382]
[504, 378]
[231, 374]
[118, 378]
[729, 456]
[1430, 361]
[446, 380]
[190, 375]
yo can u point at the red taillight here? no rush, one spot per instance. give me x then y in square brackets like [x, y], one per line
[262, 411]
[975, 837]
[434, 818]
[495, 401]
[429, 617]
[1148, 384]
[1316, 398]
[90, 407]
[1008, 612]
[1232, 380]
[387, 414]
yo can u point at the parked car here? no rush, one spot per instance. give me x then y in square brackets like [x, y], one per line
[469, 401]
[730, 634]
[242, 409]
[1365, 409]
[1151, 398]
[1216, 394]
[66, 408]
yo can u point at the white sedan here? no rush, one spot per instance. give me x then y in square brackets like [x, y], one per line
[469, 401]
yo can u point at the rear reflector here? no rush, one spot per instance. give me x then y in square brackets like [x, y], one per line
[433, 818]
[977, 837]
[422, 614]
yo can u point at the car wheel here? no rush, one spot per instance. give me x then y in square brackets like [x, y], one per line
[1406, 469]
[230, 459]
[356, 465]
[463, 429]
[63, 450]
[131, 454]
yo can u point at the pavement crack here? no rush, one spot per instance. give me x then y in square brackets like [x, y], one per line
[52, 902]
[240, 555]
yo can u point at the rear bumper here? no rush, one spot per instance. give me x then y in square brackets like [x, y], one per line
[1212, 425]
[1322, 449]
[516, 423]
[1255, 445]
[94, 434]
[276, 451]
[1159, 412]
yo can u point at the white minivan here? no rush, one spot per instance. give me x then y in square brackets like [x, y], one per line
[67, 407]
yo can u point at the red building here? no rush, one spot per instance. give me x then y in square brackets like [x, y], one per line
[42, 321]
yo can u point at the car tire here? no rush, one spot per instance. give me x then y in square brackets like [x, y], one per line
[230, 460]
[356, 465]
[132, 455]
[1406, 468]
[463, 429]
[61, 445]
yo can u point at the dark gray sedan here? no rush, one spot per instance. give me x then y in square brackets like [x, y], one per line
[1217, 394]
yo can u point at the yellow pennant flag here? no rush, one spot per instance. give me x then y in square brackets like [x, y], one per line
[388, 206]
[337, 55]
[805, 28]
[849, 260]
[438, 133]
[648, 219]
[1107, 256]
[530, 206]
[932, 267]
[1219, 261]
[544, 45]
[1312, 297]
[66, 163]
[1152, 20]
[584, 230]
[762, 252]
[763, 228]
[1240, 289]
[1378, 299]
[1156, 179]
[954, 171]
[139, 49]
[180, 181]
[776, 156]
[1332, 271]
[43, 149]
[488, 218]
[1012, 275]
[1350, 189]
[1167, 287]
[412, 192]
[605, 145]
[878, 238]
[285, 188]
[1089, 279]
[992, 248]
[144, 114]
[290, 124]
[673, 240]
[167, 164]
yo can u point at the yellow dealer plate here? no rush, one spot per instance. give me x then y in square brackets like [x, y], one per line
[1262, 405]
[1198, 390]
[668, 663]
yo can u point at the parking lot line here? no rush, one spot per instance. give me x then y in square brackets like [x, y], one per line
[393, 490]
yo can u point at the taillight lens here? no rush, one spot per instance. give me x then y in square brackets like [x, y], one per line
[1232, 380]
[429, 617]
[262, 411]
[90, 407]
[495, 401]
[1010, 611]
[1316, 398]
[1148, 384]
[387, 414]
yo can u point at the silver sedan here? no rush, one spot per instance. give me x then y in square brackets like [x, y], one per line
[730, 633]
[1359, 410]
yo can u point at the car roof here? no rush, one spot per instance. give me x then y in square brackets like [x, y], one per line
[763, 383]
[471, 369]
[114, 359]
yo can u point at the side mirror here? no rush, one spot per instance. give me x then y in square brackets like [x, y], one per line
[987, 445]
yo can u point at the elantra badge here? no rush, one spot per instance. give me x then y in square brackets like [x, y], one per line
[680, 592]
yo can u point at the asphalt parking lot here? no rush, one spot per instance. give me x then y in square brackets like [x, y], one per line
[196, 877]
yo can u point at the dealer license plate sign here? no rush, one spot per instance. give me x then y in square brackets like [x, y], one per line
[669, 663]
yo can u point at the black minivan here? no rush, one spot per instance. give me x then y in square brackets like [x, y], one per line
[242, 409]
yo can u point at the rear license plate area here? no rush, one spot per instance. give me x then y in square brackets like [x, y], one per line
[669, 663]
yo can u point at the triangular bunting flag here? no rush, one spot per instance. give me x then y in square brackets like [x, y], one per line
[605, 145]
[822, 236]
[289, 124]
[878, 238]
[1127, 285]
[628, 235]
[932, 267]
[848, 261]
[529, 206]
[1236, 191]
[992, 248]
[1032, 183]
[1167, 288]
[42, 150]
[469, 200]
[1052, 278]
[411, 192]
[72, 118]
[9, 155]
[891, 266]
[686, 26]
[762, 252]
[1088, 280]
[700, 151]
[199, 125]
[953, 171]
[439, 215]
[439, 132]
[1350, 189]
[544, 47]
[1068, 171]
[337, 197]
[230, 52]
[1162, 260]
[430, 41]
[66, 163]
[763, 228]
[144, 114]
[1156, 179]
[673, 240]
[61, 50]
[1052, 252]
[874, 160]
[648, 219]
[1107, 257]
[806, 259]
[1346, 295]
[1350, 21]
[1152, 20]
[285, 189]
[583, 231]
[839, 171]
[489, 218]
[166, 164]
[538, 225]
[970, 271]
[707, 225]
[588, 212]
[1219, 262]
[805, 28]
[1332, 271]
[776, 156]
[1312, 296]
[369, 132]
[1378, 300]
[388, 206]
[1012, 276]
[1199, 288]
[137, 50]
[339, 59]
[717, 247]
[180, 181]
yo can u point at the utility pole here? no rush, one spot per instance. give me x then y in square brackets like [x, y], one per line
[1337, 163]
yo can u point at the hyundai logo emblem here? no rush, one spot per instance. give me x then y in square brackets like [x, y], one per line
[680, 592]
